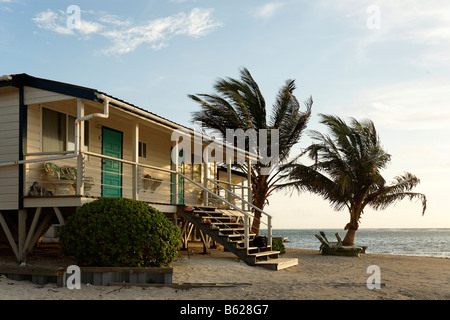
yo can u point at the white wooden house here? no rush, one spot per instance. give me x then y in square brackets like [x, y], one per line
[62, 145]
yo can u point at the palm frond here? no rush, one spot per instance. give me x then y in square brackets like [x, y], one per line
[284, 100]
[385, 201]
[346, 168]
[214, 110]
[239, 104]
[400, 189]
[304, 178]
[291, 124]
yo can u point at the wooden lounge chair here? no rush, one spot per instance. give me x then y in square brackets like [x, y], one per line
[336, 248]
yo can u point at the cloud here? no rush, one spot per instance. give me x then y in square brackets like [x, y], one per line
[114, 20]
[411, 21]
[268, 10]
[423, 24]
[87, 27]
[53, 21]
[7, 5]
[57, 22]
[125, 35]
[414, 105]
[200, 22]
[156, 33]
[416, 22]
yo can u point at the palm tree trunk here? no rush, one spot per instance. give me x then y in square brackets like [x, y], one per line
[258, 202]
[260, 189]
[349, 239]
[353, 225]
[256, 225]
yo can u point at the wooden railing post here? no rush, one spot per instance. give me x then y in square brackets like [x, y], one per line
[249, 184]
[80, 174]
[242, 195]
[246, 232]
[269, 231]
[135, 158]
[175, 155]
[80, 155]
[205, 178]
[229, 196]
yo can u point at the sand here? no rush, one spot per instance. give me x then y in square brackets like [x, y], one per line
[317, 277]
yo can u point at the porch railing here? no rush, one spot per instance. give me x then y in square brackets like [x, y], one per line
[255, 208]
[143, 182]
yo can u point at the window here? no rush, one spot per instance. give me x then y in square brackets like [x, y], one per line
[142, 149]
[58, 131]
[53, 130]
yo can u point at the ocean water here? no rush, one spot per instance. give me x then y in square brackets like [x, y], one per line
[412, 242]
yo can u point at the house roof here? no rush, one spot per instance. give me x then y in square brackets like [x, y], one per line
[23, 79]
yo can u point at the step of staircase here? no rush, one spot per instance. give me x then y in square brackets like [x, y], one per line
[224, 229]
[278, 264]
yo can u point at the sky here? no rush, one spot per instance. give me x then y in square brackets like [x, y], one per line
[388, 61]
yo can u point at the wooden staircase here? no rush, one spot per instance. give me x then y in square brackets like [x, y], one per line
[224, 227]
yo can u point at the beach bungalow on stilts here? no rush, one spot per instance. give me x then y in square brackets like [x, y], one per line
[63, 145]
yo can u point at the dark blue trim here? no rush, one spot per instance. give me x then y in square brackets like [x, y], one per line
[74, 91]
[21, 80]
[23, 124]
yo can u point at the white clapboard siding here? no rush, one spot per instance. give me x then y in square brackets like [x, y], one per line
[33, 96]
[9, 148]
[34, 129]
[158, 155]
[33, 171]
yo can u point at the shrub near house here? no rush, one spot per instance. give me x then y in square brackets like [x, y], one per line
[119, 232]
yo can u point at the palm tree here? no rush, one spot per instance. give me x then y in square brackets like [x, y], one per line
[239, 104]
[346, 171]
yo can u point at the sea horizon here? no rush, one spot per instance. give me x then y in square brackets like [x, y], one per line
[430, 242]
[361, 228]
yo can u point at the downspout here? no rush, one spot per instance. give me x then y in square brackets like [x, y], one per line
[78, 143]
[104, 115]
[77, 132]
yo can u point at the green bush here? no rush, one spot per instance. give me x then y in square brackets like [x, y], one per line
[278, 245]
[118, 232]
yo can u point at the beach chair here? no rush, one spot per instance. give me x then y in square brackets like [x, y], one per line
[336, 248]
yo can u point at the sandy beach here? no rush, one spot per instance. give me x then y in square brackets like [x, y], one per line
[316, 277]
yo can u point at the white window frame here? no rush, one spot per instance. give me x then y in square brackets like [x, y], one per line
[67, 115]
[142, 150]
